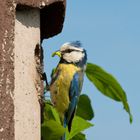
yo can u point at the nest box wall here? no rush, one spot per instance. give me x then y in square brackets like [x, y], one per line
[27, 80]
[23, 24]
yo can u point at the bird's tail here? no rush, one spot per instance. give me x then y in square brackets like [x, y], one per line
[63, 137]
[65, 125]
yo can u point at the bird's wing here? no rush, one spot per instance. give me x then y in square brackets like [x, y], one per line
[74, 96]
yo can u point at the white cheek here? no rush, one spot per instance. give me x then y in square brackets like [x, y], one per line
[73, 56]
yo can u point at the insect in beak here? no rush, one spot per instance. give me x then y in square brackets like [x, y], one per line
[57, 53]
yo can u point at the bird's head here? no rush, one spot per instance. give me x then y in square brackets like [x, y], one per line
[72, 53]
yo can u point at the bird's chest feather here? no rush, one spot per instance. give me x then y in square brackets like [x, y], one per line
[59, 88]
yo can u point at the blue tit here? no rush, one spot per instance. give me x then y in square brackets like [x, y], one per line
[67, 80]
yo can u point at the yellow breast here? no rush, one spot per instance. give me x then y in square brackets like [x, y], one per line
[59, 89]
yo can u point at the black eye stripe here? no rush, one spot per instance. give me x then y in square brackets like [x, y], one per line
[67, 51]
[70, 50]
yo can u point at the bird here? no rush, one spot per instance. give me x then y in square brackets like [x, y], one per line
[67, 80]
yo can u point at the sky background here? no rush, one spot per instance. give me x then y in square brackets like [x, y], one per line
[110, 32]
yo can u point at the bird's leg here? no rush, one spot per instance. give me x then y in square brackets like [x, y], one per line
[43, 78]
[46, 88]
[40, 70]
[46, 81]
[39, 64]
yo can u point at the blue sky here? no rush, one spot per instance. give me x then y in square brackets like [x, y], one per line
[110, 32]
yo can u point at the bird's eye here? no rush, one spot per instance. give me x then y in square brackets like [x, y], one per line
[69, 50]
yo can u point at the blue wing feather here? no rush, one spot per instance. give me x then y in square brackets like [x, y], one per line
[74, 96]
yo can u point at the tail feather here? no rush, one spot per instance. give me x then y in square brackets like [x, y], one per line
[64, 125]
[70, 121]
[63, 137]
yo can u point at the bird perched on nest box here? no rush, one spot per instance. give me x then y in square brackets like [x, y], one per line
[67, 80]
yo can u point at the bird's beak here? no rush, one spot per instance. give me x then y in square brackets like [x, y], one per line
[57, 53]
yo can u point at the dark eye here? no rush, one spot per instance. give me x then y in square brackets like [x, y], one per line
[69, 50]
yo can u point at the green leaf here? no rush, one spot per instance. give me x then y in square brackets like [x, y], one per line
[79, 136]
[84, 108]
[51, 130]
[78, 125]
[107, 85]
[50, 113]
